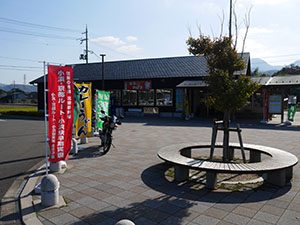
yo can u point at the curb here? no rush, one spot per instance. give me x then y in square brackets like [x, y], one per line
[26, 202]
[12, 197]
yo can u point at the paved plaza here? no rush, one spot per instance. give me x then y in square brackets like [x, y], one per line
[129, 182]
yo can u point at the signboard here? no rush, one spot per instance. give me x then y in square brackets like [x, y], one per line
[179, 99]
[275, 104]
[138, 85]
[102, 103]
[151, 110]
[84, 120]
[60, 110]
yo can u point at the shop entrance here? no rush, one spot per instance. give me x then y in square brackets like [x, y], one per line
[199, 108]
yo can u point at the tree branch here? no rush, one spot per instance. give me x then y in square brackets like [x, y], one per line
[247, 25]
[222, 23]
[235, 26]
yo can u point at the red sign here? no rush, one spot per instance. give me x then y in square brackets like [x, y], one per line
[138, 85]
[60, 111]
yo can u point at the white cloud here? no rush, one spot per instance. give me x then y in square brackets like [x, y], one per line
[118, 44]
[253, 31]
[243, 3]
[131, 38]
[129, 49]
[260, 30]
[108, 40]
[269, 2]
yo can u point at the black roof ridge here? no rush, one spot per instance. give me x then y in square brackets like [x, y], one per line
[130, 60]
[146, 59]
[147, 68]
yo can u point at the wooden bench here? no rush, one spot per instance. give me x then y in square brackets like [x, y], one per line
[278, 166]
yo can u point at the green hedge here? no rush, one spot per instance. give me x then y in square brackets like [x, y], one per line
[22, 113]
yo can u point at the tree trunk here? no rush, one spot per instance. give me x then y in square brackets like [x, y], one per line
[226, 119]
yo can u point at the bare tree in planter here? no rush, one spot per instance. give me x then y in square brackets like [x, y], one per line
[228, 92]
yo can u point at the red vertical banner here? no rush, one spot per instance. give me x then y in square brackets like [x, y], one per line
[265, 97]
[60, 111]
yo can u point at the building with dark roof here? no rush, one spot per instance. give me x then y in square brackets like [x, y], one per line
[158, 85]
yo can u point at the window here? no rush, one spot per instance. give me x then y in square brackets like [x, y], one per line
[130, 97]
[164, 97]
[116, 97]
[146, 98]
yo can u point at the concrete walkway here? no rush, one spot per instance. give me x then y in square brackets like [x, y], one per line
[129, 181]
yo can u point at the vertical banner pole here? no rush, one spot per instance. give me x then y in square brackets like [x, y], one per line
[46, 122]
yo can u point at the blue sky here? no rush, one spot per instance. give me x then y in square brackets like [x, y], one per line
[134, 29]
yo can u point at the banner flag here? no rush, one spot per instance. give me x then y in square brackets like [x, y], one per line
[84, 120]
[102, 103]
[76, 104]
[60, 110]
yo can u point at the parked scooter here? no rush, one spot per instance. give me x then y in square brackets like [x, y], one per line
[110, 123]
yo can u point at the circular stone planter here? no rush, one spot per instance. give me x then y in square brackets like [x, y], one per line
[278, 167]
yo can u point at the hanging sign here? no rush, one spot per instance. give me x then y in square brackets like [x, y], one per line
[102, 103]
[275, 104]
[60, 110]
[84, 117]
[138, 85]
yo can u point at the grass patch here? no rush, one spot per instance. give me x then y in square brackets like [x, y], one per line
[19, 110]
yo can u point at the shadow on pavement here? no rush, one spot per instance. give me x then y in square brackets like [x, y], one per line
[154, 177]
[7, 219]
[89, 152]
[247, 124]
[150, 211]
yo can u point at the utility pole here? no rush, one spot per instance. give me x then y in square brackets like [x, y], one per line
[230, 20]
[24, 79]
[102, 55]
[86, 51]
[86, 45]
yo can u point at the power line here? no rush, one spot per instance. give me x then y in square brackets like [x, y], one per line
[14, 66]
[20, 59]
[31, 60]
[18, 69]
[22, 32]
[34, 25]
[35, 42]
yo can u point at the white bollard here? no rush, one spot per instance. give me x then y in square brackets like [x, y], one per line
[84, 140]
[125, 222]
[49, 190]
[58, 166]
[74, 149]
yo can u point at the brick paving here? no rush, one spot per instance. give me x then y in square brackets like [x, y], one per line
[129, 181]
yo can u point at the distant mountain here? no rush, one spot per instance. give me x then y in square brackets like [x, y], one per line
[23, 87]
[296, 63]
[263, 66]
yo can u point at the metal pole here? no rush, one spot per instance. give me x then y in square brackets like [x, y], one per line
[230, 19]
[46, 123]
[102, 55]
[86, 45]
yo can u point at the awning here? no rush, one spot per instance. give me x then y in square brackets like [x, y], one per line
[278, 80]
[192, 84]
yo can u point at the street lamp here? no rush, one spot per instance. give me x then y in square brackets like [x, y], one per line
[102, 55]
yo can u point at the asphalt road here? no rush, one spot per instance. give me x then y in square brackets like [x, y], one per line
[21, 148]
